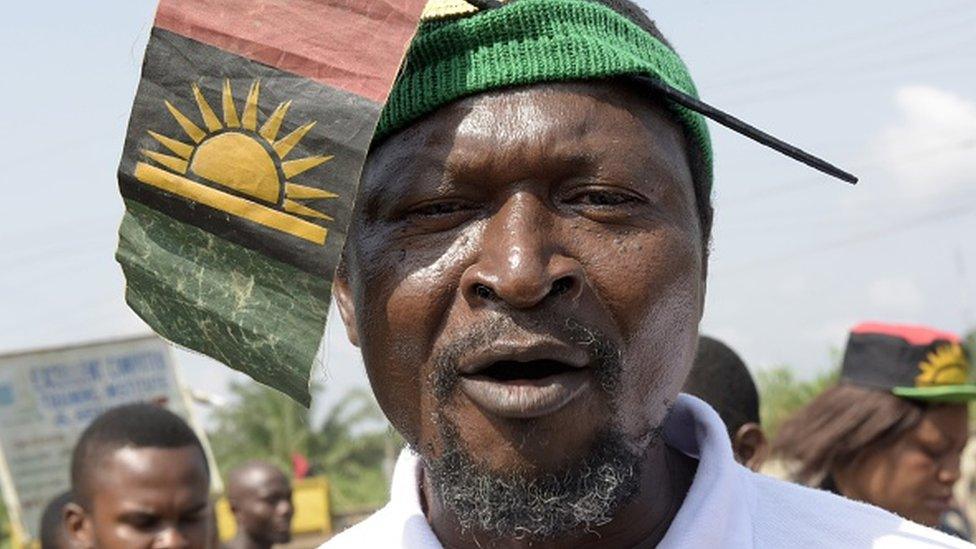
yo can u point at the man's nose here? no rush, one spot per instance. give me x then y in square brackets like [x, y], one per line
[171, 538]
[285, 508]
[522, 263]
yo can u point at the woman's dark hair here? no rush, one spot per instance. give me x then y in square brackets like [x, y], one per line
[843, 425]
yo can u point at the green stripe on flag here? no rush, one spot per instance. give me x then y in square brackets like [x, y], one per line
[244, 309]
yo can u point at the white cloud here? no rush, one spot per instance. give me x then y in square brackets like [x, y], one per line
[896, 294]
[931, 150]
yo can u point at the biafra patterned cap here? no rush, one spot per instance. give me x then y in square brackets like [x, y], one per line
[461, 50]
[913, 362]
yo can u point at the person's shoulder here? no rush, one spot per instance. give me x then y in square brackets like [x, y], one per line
[400, 523]
[367, 533]
[786, 512]
[385, 528]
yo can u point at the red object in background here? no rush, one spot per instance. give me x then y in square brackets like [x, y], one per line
[299, 465]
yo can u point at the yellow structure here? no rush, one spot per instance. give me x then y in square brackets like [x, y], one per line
[312, 513]
[18, 539]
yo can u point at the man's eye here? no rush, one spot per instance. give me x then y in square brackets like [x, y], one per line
[193, 518]
[142, 521]
[435, 209]
[603, 198]
[934, 452]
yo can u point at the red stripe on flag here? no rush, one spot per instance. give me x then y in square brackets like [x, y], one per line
[354, 45]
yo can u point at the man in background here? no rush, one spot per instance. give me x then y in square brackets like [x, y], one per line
[260, 498]
[52, 532]
[140, 479]
[720, 378]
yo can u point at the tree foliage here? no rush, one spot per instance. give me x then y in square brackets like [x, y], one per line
[970, 342]
[781, 394]
[351, 445]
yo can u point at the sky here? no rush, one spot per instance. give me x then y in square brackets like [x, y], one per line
[884, 88]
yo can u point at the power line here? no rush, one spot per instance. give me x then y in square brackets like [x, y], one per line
[910, 223]
[827, 77]
[841, 42]
[846, 55]
[799, 185]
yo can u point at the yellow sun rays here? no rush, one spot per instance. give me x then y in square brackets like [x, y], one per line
[250, 118]
[288, 142]
[230, 111]
[440, 9]
[227, 151]
[946, 365]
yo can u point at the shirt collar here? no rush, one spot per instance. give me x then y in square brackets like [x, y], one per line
[717, 511]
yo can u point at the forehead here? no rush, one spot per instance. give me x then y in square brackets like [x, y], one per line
[261, 481]
[602, 124]
[949, 421]
[150, 476]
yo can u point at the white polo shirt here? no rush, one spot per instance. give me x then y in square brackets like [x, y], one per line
[728, 506]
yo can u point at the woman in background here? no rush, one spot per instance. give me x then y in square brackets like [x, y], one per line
[892, 431]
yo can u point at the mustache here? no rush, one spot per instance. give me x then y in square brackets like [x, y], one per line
[604, 355]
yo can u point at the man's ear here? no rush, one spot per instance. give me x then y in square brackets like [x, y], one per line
[342, 294]
[232, 503]
[78, 525]
[750, 446]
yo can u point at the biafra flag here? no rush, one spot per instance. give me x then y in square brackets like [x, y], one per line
[244, 149]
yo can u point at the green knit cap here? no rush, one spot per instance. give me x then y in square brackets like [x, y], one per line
[534, 41]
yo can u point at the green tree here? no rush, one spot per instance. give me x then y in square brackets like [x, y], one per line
[970, 343]
[351, 445]
[356, 455]
[5, 533]
[259, 423]
[781, 394]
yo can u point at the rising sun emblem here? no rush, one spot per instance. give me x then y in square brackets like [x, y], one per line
[238, 168]
[946, 365]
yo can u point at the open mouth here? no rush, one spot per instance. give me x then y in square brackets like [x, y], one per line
[525, 389]
[511, 371]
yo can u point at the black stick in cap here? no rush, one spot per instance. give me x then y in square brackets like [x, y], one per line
[747, 130]
[723, 118]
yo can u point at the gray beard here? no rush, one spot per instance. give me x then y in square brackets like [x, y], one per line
[513, 504]
[554, 505]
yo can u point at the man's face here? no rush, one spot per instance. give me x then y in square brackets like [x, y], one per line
[525, 274]
[146, 498]
[263, 506]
